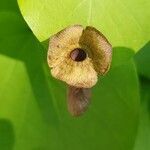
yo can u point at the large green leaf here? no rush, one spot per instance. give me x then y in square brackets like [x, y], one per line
[142, 59]
[143, 138]
[33, 110]
[125, 23]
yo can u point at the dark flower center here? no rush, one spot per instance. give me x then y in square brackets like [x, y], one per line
[78, 54]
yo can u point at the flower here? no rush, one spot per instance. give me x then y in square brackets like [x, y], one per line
[77, 55]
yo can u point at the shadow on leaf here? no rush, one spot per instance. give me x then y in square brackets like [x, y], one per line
[7, 136]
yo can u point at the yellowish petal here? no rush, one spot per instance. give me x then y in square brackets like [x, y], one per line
[100, 50]
[62, 43]
[78, 74]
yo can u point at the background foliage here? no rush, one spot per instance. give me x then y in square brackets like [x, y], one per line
[33, 111]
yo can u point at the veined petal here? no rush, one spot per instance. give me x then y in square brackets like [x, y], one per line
[78, 74]
[62, 43]
[100, 50]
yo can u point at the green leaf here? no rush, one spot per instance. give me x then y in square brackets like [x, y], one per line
[124, 23]
[143, 137]
[142, 60]
[33, 109]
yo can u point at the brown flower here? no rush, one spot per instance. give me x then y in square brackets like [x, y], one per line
[77, 56]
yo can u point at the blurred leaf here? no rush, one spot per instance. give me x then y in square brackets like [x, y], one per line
[121, 55]
[142, 59]
[143, 138]
[34, 104]
[124, 23]
[6, 135]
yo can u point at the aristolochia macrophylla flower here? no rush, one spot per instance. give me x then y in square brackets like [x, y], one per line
[77, 56]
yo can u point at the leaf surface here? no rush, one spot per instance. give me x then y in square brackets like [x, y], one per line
[125, 23]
